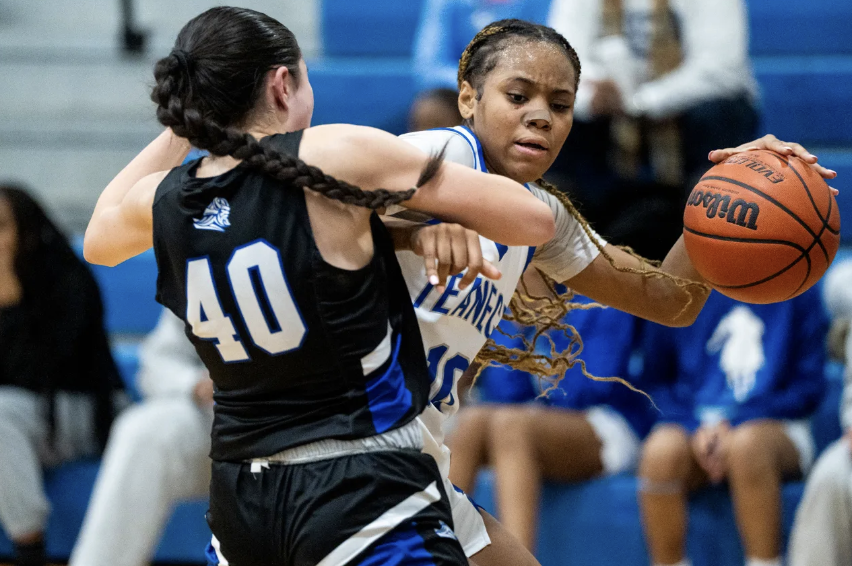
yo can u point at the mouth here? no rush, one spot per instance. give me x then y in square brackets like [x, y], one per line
[532, 147]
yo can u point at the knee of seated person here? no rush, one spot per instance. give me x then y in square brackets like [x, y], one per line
[665, 455]
[511, 421]
[748, 449]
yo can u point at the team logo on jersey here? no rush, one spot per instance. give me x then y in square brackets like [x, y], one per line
[215, 216]
[445, 531]
[739, 338]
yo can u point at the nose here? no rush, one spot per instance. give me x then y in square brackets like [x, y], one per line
[539, 118]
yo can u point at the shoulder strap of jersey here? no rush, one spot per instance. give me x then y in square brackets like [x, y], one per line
[286, 143]
[475, 146]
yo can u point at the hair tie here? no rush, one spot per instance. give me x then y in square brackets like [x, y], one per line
[183, 58]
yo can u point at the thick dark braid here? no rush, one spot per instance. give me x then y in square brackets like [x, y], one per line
[479, 58]
[206, 133]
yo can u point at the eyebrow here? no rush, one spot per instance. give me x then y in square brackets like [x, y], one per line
[533, 83]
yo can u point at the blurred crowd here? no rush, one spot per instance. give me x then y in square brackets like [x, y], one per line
[725, 401]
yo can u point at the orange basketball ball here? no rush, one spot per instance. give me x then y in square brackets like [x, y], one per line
[761, 227]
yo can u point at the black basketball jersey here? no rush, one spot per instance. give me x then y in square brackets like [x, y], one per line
[298, 349]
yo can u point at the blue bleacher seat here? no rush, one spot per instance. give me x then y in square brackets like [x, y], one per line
[793, 27]
[365, 28]
[128, 292]
[369, 92]
[69, 487]
[806, 99]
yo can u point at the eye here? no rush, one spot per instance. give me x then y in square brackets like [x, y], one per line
[516, 98]
[560, 107]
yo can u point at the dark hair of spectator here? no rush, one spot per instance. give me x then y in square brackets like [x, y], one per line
[41, 248]
[483, 52]
[210, 83]
[44, 264]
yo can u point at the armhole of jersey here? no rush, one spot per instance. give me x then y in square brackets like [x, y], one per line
[470, 144]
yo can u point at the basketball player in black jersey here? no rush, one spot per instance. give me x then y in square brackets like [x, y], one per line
[293, 298]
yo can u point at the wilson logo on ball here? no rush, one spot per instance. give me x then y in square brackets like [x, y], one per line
[771, 174]
[739, 212]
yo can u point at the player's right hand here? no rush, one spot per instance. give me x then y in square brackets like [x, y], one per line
[448, 249]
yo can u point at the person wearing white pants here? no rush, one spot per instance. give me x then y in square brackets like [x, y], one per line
[822, 531]
[157, 454]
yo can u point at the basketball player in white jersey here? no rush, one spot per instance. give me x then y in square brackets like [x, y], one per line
[517, 84]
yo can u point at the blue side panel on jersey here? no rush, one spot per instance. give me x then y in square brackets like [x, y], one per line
[404, 546]
[210, 554]
[388, 396]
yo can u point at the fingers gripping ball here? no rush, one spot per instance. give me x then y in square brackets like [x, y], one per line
[761, 227]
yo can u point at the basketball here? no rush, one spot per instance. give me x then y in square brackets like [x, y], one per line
[761, 227]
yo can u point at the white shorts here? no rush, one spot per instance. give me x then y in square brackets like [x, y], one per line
[619, 444]
[799, 433]
[467, 522]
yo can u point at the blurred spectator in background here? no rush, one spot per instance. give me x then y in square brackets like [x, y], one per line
[438, 108]
[583, 429]
[57, 376]
[822, 532]
[157, 454]
[664, 82]
[735, 391]
[447, 26]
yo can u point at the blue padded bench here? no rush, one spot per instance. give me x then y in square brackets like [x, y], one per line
[69, 487]
[597, 522]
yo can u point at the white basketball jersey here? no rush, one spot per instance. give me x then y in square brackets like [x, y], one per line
[455, 324]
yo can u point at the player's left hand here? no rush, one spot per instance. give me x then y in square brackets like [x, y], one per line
[772, 143]
[448, 249]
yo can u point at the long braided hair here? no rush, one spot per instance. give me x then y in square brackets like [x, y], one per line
[210, 83]
[546, 313]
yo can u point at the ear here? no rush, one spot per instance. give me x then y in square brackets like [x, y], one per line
[467, 100]
[280, 87]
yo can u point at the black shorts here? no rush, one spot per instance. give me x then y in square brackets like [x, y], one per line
[370, 509]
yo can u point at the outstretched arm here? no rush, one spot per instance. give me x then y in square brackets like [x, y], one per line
[493, 206]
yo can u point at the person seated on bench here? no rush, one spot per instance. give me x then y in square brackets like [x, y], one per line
[57, 376]
[581, 430]
[156, 456]
[822, 532]
[735, 391]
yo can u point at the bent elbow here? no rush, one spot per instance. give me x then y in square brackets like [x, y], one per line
[93, 252]
[542, 225]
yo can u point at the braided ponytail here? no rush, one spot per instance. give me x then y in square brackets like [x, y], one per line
[212, 80]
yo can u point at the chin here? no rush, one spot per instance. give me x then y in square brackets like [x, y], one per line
[527, 174]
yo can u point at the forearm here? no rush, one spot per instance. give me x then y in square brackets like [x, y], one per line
[164, 153]
[672, 295]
